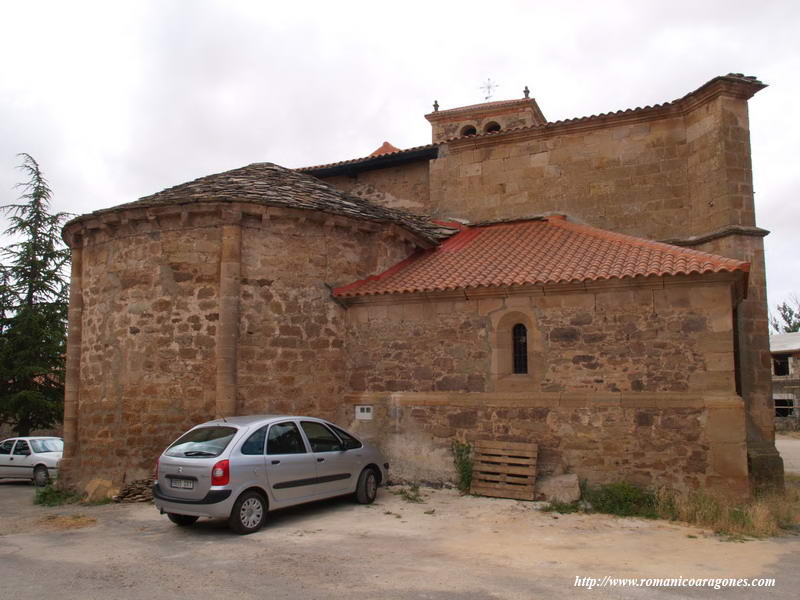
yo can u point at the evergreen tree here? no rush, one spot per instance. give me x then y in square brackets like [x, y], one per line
[34, 292]
[789, 316]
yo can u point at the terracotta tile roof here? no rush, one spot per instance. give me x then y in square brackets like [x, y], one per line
[386, 148]
[538, 251]
[272, 185]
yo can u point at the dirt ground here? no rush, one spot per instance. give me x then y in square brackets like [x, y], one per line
[449, 547]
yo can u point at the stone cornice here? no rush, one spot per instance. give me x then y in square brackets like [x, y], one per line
[734, 86]
[746, 230]
[139, 220]
[552, 399]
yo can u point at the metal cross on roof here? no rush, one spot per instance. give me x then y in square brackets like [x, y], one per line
[489, 88]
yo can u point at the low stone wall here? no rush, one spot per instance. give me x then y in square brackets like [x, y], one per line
[679, 441]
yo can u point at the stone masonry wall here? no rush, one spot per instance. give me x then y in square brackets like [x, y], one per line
[152, 358]
[680, 441]
[291, 338]
[673, 176]
[651, 337]
[147, 357]
[665, 174]
[415, 347]
[405, 187]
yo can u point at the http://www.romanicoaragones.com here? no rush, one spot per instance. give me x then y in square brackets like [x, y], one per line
[718, 583]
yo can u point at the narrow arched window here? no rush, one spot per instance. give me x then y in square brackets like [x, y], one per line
[469, 130]
[520, 341]
[492, 127]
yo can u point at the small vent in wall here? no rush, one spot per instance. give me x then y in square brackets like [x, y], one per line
[363, 412]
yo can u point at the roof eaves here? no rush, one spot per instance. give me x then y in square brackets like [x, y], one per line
[367, 163]
[482, 106]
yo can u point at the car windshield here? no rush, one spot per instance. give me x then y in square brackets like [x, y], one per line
[202, 442]
[53, 445]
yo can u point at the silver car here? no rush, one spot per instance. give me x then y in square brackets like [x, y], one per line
[33, 458]
[239, 468]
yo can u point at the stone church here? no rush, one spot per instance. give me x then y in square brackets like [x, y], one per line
[594, 285]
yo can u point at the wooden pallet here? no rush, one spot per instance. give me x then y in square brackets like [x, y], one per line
[504, 469]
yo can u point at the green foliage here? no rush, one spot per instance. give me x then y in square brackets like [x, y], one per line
[769, 514]
[462, 459]
[50, 495]
[33, 308]
[411, 494]
[789, 313]
[622, 499]
[562, 507]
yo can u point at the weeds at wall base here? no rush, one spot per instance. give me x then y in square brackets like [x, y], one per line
[768, 515]
[462, 459]
[410, 494]
[53, 495]
[50, 495]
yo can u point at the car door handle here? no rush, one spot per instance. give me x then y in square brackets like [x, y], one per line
[320, 459]
[276, 462]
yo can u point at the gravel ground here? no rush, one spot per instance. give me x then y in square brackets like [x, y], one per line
[448, 547]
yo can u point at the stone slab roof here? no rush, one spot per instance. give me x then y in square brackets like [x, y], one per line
[784, 342]
[272, 185]
[546, 250]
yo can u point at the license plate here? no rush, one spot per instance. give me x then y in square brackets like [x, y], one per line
[184, 484]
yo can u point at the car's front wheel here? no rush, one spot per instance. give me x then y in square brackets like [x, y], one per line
[367, 487]
[41, 476]
[248, 514]
[182, 520]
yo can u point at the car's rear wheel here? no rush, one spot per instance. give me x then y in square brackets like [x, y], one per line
[41, 476]
[367, 487]
[182, 520]
[248, 514]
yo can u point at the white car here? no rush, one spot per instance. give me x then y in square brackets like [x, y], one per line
[34, 458]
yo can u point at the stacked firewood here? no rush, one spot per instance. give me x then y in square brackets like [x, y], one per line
[140, 490]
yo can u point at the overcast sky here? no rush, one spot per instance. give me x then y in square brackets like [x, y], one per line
[118, 100]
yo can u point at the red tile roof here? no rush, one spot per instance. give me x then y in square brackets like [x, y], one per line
[540, 251]
[386, 148]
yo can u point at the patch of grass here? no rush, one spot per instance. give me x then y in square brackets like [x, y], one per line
[562, 507]
[462, 459]
[410, 494]
[766, 515]
[49, 495]
[622, 499]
